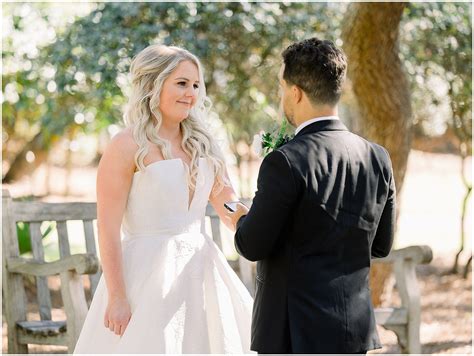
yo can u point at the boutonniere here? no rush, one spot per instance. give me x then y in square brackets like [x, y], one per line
[268, 141]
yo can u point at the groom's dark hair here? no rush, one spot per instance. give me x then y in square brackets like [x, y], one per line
[318, 67]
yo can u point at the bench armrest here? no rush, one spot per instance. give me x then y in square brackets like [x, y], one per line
[404, 263]
[418, 254]
[85, 263]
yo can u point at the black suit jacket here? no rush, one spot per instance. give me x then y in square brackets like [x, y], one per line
[325, 206]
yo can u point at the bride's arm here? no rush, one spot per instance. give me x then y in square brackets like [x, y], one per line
[226, 194]
[114, 178]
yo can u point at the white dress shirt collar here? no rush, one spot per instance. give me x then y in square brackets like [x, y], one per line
[309, 122]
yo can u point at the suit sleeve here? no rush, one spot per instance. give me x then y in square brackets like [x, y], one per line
[383, 240]
[258, 232]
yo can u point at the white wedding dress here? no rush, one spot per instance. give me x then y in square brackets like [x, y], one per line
[184, 296]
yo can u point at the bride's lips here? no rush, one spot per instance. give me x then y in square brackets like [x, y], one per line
[184, 103]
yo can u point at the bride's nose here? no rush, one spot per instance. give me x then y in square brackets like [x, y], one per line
[191, 92]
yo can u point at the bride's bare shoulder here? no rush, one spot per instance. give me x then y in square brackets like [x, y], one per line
[123, 141]
[121, 150]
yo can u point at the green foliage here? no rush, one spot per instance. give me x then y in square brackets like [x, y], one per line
[238, 43]
[437, 48]
[23, 230]
[24, 239]
[271, 141]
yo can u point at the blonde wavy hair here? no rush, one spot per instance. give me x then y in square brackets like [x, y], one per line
[149, 70]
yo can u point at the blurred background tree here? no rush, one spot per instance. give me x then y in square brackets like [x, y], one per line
[437, 52]
[238, 43]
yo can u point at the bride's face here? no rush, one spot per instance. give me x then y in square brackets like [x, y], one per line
[179, 92]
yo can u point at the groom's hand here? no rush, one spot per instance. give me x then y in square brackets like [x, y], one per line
[235, 216]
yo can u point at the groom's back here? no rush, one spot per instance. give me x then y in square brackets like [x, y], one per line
[342, 174]
[342, 183]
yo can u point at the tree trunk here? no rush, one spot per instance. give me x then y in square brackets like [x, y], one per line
[370, 35]
[467, 194]
[20, 166]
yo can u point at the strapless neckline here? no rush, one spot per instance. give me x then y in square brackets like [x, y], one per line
[169, 177]
[157, 163]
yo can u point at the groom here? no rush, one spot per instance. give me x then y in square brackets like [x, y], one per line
[325, 206]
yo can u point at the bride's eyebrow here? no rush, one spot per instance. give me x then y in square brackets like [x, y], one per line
[186, 79]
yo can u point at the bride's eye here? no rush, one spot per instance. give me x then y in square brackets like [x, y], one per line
[196, 86]
[182, 84]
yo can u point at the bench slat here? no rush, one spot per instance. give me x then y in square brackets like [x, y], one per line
[42, 327]
[91, 248]
[43, 294]
[391, 316]
[45, 332]
[13, 289]
[38, 211]
[419, 254]
[216, 227]
[58, 340]
[210, 211]
[63, 237]
[81, 263]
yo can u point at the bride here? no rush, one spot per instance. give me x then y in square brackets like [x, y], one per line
[166, 287]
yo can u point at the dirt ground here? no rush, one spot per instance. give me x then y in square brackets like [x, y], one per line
[446, 316]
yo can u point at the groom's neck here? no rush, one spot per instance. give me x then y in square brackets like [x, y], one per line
[313, 112]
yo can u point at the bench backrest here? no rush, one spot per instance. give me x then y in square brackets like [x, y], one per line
[33, 214]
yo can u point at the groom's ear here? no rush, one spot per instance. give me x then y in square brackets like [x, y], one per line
[297, 94]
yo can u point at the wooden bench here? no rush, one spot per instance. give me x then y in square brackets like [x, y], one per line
[70, 268]
[404, 320]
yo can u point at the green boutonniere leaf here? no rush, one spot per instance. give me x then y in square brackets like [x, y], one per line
[271, 142]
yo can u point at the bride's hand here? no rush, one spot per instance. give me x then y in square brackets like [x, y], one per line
[235, 216]
[117, 315]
